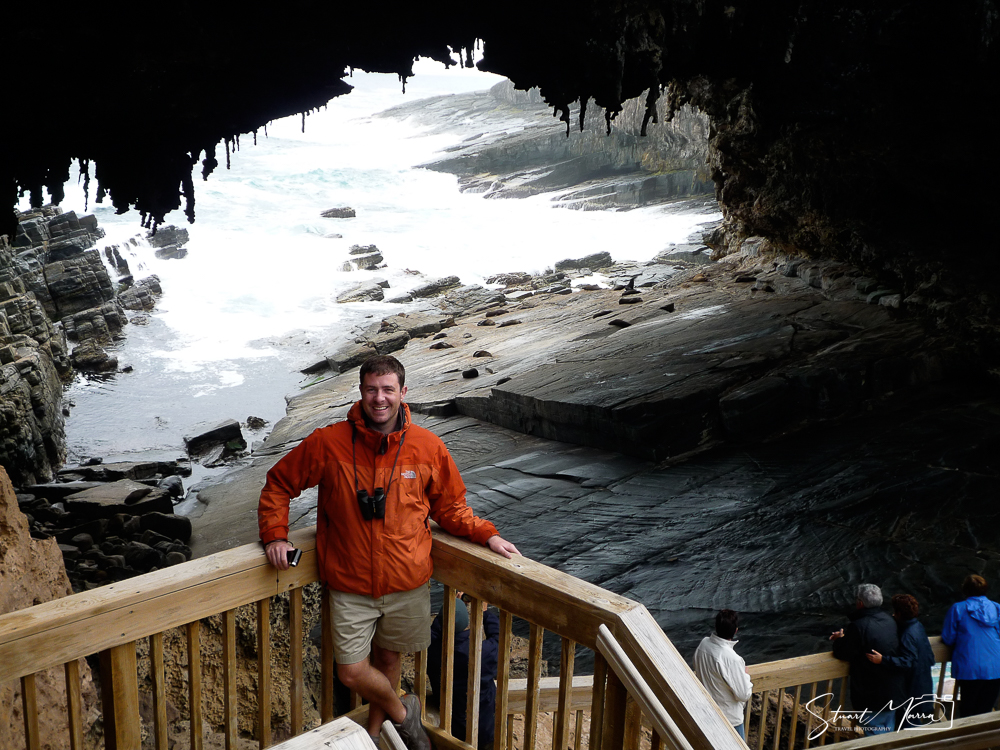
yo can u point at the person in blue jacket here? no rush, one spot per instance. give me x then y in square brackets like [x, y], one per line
[460, 681]
[914, 659]
[972, 629]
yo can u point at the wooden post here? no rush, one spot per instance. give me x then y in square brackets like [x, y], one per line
[447, 656]
[327, 710]
[560, 732]
[420, 672]
[264, 673]
[578, 736]
[614, 713]
[29, 705]
[159, 690]
[230, 697]
[74, 704]
[296, 690]
[633, 724]
[194, 683]
[795, 716]
[597, 702]
[474, 672]
[120, 698]
[500, 719]
[535, 637]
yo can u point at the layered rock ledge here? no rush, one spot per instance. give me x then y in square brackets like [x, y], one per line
[773, 426]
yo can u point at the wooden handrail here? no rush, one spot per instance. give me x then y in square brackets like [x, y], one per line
[629, 675]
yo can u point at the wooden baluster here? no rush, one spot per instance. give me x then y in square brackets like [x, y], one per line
[74, 704]
[326, 710]
[474, 671]
[420, 676]
[120, 697]
[159, 690]
[826, 710]
[295, 635]
[633, 724]
[795, 717]
[746, 715]
[264, 673]
[560, 738]
[447, 656]
[777, 718]
[842, 703]
[597, 701]
[501, 721]
[230, 699]
[29, 705]
[763, 718]
[614, 713]
[578, 736]
[813, 691]
[536, 636]
[194, 683]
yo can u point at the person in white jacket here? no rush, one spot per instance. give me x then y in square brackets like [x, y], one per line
[722, 671]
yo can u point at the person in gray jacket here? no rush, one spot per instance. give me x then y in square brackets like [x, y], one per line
[723, 672]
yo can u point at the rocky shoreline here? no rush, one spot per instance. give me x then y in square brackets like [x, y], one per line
[755, 431]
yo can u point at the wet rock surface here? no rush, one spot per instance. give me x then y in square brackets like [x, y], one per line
[713, 445]
[111, 521]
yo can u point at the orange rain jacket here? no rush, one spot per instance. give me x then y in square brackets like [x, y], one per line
[380, 556]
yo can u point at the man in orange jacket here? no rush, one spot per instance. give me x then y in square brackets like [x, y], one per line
[380, 477]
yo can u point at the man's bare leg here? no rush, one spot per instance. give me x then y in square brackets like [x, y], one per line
[372, 683]
[388, 663]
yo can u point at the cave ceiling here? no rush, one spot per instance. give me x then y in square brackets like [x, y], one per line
[853, 127]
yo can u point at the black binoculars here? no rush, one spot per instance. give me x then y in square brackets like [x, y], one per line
[372, 506]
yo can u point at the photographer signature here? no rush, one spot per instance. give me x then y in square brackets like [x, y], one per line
[916, 713]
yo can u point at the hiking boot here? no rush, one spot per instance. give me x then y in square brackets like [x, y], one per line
[410, 729]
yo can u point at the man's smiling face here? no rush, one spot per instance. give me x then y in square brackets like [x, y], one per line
[380, 400]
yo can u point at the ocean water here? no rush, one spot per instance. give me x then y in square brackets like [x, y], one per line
[255, 299]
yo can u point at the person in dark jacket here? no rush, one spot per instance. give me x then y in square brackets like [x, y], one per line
[914, 660]
[972, 629]
[873, 690]
[460, 681]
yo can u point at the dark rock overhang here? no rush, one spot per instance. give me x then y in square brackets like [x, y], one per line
[856, 128]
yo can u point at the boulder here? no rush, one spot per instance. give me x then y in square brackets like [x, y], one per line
[362, 249]
[435, 287]
[171, 252]
[205, 435]
[91, 357]
[342, 212]
[367, 262]
[168, 524]
[367, 292]
[596, 260]
[123, 496]
[390, 341]
[349, 356]
[167, 236]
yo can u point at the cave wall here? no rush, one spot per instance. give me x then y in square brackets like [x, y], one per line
[851, 129]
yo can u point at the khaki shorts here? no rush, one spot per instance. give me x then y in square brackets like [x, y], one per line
[397, 622]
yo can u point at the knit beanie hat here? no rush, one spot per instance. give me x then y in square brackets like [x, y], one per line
[461, 616]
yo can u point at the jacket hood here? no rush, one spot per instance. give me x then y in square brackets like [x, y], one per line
[983, 610]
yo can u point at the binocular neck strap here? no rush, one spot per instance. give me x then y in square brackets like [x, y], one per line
[354, 460]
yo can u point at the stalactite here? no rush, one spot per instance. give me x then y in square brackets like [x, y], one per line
[583, 110]
[607, 120]
[255, 136]
[402, 79]
[209, 163]
[187, 189]
[85, 174]
[303, 122]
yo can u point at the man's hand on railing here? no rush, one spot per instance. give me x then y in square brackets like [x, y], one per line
[837, 634]
[277, 553]
[501, 546]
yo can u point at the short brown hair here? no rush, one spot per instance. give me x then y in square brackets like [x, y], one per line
[974, 585]
[905, 606]
[383, 364]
